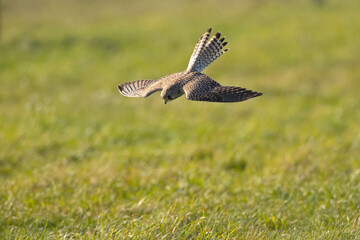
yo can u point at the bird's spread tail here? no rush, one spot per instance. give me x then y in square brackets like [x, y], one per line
[206, 52]
[135, 88]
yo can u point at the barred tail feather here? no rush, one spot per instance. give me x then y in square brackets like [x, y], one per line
[136, 88]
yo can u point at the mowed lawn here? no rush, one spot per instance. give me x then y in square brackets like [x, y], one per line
[80, 161]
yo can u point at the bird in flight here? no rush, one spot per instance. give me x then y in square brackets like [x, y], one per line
[195, 85]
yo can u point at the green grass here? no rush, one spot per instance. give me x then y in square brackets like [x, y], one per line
[78, 160]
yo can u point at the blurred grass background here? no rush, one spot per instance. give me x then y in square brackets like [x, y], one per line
[78, 160]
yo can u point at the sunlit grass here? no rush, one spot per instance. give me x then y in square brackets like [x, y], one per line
[78, 160]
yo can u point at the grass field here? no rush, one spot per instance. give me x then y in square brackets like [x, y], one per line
[78, 160]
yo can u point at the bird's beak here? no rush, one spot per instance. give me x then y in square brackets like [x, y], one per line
[166, 100]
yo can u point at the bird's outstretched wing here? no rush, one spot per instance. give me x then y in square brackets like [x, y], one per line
[140, 88]
[226, 94]
[206, 52]
[198, 49]
[207, 89]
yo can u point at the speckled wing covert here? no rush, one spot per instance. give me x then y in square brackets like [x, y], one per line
[206, 52]
[207, 89]
[139, 88]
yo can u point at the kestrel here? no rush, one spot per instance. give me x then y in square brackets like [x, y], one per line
[195, 85]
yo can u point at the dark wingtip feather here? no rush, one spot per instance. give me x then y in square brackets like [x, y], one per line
[218, 34]
[121, 87]
[224, 44]
[209, 30]
[222, 39]
[255, 94]
[225, 50]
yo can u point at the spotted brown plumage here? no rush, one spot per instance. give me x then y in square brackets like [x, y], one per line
[195, 85]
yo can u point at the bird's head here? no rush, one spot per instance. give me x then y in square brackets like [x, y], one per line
[171, 93]
[166, 96]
